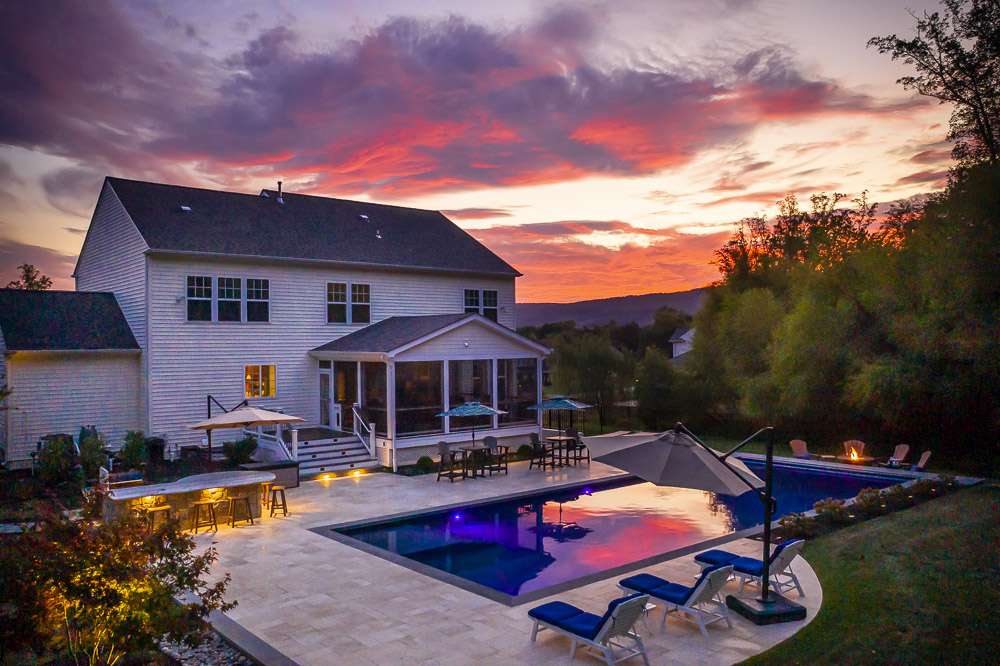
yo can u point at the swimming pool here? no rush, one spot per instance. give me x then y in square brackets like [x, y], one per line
[518, 549]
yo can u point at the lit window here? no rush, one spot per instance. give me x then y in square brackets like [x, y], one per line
[199, 298]
[336, 303]
[258, 300]
[361, 298]
[259, 381]
[230, 299]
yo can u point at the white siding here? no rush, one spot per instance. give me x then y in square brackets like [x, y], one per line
[469, 341]
[57, 392]
[112, 260]
[189, 360]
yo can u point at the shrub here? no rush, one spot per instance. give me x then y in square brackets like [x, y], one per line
[56, 461]
[524, 451]
[240, 452]
[425, 464]
[832, 511]
[923, 488]
[92, 455]
[797, 525]
[897, 497]
[869, 502]
[133, 452]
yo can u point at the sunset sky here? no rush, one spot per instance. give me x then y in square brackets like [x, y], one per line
[601, 148]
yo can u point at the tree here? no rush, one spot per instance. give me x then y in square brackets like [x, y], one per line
[654, 388]
[957, 57]
[589, 366]
[31, 279]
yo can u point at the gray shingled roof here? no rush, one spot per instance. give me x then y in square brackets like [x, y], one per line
[304, 227]
[62, 320]
[391, 333]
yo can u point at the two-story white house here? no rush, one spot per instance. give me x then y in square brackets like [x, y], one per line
[344, 313]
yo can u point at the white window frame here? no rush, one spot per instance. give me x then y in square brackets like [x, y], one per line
[219, 299]
[480, 306]
[248, 300]
[348, 302]
[260, 366]
[188, 297]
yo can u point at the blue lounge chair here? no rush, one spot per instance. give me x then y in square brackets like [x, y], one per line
[601, 632]
[749, 570]
[700, 604]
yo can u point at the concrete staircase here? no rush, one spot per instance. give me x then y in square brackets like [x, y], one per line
[340, 454]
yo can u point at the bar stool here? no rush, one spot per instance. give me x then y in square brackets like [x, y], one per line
[235, 502]
[277, 491]
[208, 520]
[152, 512]
[265, 490]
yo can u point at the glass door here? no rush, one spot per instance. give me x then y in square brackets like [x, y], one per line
[345, 382]
[324, 398]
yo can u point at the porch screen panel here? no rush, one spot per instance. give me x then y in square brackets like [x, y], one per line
[517, 386]
[374, 398]
[419, 397]
[470, 381]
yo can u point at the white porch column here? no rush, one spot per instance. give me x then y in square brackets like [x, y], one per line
[446, 388]
[390, 405]
[358, 383]
[538, 390]
[496, 398]
[295, 443]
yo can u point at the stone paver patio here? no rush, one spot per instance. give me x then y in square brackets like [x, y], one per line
[322, 602]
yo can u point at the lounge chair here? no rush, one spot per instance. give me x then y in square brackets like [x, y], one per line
[800, 449]
[898, 456]
[700, 604]
[600, 632]
[749, 569]
[921, 462]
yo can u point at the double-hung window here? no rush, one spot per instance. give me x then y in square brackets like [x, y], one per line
[230, 299]
[259, 381]
[482, 301]
[199, 298]
[340, 310]
[361, 299]
[258, 300]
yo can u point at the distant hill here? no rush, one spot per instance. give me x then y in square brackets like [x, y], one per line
[622, 309]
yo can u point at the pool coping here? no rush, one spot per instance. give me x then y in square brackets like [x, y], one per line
[331, 531]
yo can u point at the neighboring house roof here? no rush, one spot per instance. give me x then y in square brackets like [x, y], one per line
[63, 321]
[398, 333]
[679, 333]
[304, 227]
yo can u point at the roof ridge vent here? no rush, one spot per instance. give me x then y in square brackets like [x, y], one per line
[185, 208]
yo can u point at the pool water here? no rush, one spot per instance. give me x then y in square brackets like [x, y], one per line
[516, 547]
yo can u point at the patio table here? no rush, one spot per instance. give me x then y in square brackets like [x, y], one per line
[471, 461]
[559, 443]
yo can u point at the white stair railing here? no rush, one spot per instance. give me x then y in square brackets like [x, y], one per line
[270, 441]
[362, 430]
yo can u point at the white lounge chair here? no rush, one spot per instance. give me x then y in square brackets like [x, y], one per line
[604, 633]
[750, 570]
[700, 604]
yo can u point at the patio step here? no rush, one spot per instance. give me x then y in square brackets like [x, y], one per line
[341, 456]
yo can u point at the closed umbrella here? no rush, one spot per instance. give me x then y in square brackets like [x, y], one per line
[472, 409]
[678, 458]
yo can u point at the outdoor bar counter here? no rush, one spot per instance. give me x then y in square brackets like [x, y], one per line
[181, 494]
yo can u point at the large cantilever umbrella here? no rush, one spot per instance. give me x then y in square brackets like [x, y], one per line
[472, 409]
[678, 458]
[242, 417]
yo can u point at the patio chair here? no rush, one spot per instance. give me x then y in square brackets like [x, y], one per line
[539, 454]
[700, 604]
[800, 449]
[855, 444]
[449, 466]
[749, 569]
[496, 455]
[576, 450]
[898, 456]
[604, 633]
[921, 462]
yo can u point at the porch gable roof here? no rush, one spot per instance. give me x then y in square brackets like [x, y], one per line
[395, 335]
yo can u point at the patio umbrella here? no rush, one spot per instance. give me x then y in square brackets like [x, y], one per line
[472, 409]
[241, 418]
[559, 404]
[678, 458]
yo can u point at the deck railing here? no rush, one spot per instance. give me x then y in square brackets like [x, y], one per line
[270, 441]
[363, 430]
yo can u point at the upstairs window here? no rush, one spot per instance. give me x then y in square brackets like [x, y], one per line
[259, 381]
[482, 301]
[336, 303]
[258, 300]
[230, 299]
[361, 298]
[199, 298]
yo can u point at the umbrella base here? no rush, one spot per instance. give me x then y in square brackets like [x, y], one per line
[776, 609]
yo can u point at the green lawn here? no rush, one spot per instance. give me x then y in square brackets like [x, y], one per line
[914, 587]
